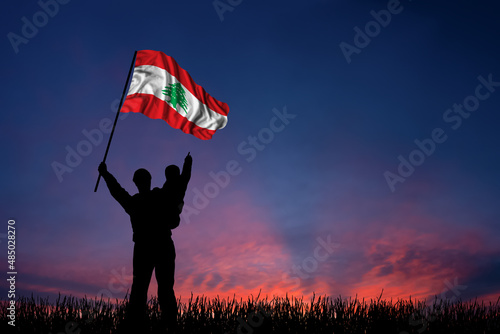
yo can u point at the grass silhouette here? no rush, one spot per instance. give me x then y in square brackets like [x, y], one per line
[70, 315]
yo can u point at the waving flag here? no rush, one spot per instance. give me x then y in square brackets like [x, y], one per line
[161, 89]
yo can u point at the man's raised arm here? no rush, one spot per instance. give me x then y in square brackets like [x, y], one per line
[118, 193]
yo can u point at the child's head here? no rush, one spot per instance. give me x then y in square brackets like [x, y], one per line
[172, 172]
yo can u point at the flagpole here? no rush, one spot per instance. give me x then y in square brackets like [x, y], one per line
[117, 114]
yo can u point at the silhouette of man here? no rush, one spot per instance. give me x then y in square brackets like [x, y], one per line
[153, 214]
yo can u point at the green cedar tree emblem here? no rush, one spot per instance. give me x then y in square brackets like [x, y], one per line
[177, 96]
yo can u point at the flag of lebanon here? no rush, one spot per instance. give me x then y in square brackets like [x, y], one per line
[161, 89]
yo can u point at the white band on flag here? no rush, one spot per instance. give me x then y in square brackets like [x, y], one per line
[149, 79]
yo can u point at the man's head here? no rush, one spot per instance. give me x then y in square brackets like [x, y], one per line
[172, 172]
[142, 180]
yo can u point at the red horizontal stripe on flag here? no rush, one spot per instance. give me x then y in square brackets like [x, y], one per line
[161, 60]
[155, 108]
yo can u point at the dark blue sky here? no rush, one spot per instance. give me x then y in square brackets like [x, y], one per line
[324, 176]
